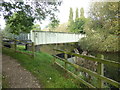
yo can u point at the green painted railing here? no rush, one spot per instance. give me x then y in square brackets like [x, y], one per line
[100, 70]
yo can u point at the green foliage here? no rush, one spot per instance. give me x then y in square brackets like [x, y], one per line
[22, 14]
[38, 10]
[98, 42]
[53, 24]
[71, 15]
[36, 27]
[105, 15]
[76, 14]
[5, 83]
[77, 25]
[62, 27]
[20, 22]
[102, 29]
[6, 31]
[82, 12]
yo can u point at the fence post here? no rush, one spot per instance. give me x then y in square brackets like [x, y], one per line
[65, 56]
[100, 70]
[15, 45]
[53, 60]
[33, 49]
[75, 60]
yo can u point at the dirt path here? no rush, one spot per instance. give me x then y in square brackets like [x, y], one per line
[16, 75]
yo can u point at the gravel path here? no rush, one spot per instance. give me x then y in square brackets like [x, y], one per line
[16, 75]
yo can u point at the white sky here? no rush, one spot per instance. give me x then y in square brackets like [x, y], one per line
[65, 7]
[64, 11]
[63, 16]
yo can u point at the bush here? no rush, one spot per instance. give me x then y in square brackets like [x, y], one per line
[98, 42]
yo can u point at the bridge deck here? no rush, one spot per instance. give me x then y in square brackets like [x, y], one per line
[54, 37]
[46, 37]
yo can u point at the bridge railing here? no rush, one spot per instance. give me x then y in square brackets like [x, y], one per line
[100, 70]
[14, 45]
[21, 36]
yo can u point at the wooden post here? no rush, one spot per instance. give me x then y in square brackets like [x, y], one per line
[75, 60]
[100, 70]
[53, 60]
[65, 56]
[33, 49]
[15, 45]
[26, 46]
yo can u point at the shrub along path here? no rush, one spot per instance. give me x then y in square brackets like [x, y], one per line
[16, 75]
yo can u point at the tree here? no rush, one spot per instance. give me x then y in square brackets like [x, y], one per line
[82, 12]
[76, 13]
[30, 11]
[6, 31]
[70, 21]
[36, 27]
[53, 24]
[71, 15]
[105, 16]
[19, 22]
[62, 28]
[102, 30]
[77, 26]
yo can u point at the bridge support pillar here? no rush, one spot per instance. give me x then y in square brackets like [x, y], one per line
[26, 46]
[37, 48]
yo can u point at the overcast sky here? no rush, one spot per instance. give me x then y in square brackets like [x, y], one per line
[65, 7]
[64, 10]
[63, 15]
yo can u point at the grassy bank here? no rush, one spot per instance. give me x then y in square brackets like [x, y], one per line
[50, 76]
